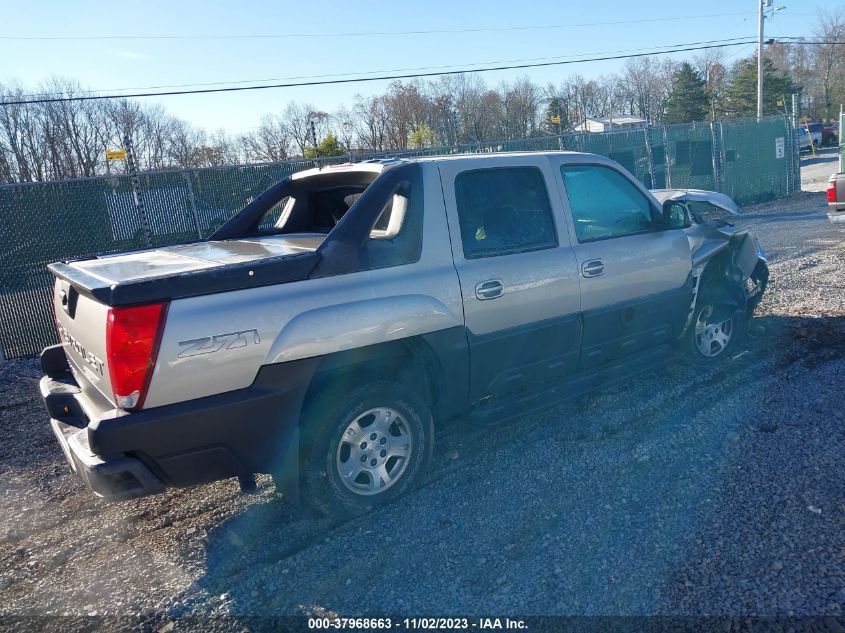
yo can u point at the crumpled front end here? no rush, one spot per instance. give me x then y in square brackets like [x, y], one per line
[729, 265]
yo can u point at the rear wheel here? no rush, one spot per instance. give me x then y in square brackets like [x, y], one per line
[365, 449]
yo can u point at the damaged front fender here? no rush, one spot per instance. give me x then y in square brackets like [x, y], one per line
[728, 261]
[713, 198]
[709, 238]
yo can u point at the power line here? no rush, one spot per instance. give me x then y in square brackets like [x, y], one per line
[679, 49]
[479, 29]
[372, 72]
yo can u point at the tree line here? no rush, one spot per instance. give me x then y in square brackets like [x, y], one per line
[62, 140]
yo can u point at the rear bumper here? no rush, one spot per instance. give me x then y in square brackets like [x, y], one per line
[116, 479]
[121, 455]
[836, 212]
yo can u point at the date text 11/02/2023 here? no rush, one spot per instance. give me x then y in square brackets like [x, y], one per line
[416, 623]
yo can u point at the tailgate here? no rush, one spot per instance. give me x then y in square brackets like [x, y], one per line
[81, 321]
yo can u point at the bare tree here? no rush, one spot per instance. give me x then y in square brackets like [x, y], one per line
[343, 127]
[407, 109]
[297, 119]
[645, 84]
[184, 143]
[269, 143]
[801, 69]
[472, 109]
[217, 149]
[522, 106]
[443, 116]
[710, 64]
[21, 139]
[370, 119]
[829, 58]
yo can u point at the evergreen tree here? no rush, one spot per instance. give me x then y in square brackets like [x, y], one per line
[688, 100]
[329, 146]
[741, 95]
[422, 136]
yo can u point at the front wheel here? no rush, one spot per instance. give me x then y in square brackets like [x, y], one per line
[364, 449]
[713, 336]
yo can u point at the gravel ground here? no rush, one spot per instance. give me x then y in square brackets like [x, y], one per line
[686, 491]
[816, 170]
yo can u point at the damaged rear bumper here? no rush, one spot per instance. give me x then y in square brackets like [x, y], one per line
[121, 455]
[116, 479]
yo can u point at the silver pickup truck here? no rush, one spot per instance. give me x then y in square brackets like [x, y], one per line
[321, 333]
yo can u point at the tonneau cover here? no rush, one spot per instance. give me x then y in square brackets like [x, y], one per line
[192, 269]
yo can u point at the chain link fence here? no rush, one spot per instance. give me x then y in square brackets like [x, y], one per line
[44, 222]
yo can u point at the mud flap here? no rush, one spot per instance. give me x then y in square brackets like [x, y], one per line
[286, 473]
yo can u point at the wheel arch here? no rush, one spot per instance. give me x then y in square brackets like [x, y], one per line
[721, 283]
[411, 361]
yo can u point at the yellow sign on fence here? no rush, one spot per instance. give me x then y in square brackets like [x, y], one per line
[115, 154]
[554, 119]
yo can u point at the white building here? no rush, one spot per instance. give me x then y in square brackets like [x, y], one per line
[612, 123]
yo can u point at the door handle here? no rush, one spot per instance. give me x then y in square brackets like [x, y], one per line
[489, 289]
[592, 268]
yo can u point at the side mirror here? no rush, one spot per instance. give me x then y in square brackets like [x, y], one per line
[676, 215]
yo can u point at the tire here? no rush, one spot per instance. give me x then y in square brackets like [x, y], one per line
[710, 342]
[391, 433]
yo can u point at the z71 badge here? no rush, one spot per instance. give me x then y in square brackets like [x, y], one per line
[211, 344]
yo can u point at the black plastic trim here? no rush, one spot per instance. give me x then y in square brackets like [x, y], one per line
[241, 432]
[618, 330]
[524, 356]
[54, 360]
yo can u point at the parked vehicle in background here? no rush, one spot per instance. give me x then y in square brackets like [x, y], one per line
[320, 333]
[836, 197]
[804, 141]
[830, 134]
[810, 134]
[815, 130]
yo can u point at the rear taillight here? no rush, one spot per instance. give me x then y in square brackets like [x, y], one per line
[831, 190]
[133, 335]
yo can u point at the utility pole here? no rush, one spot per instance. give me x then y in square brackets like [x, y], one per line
[137, 196]
[313, 136]
[761, 17]
[761, 5]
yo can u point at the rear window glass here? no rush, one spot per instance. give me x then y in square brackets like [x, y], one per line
[275, 217]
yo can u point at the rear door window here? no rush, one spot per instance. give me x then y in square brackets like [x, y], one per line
[504, 210]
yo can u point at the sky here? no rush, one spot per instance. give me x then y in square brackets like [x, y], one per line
[324, 39]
